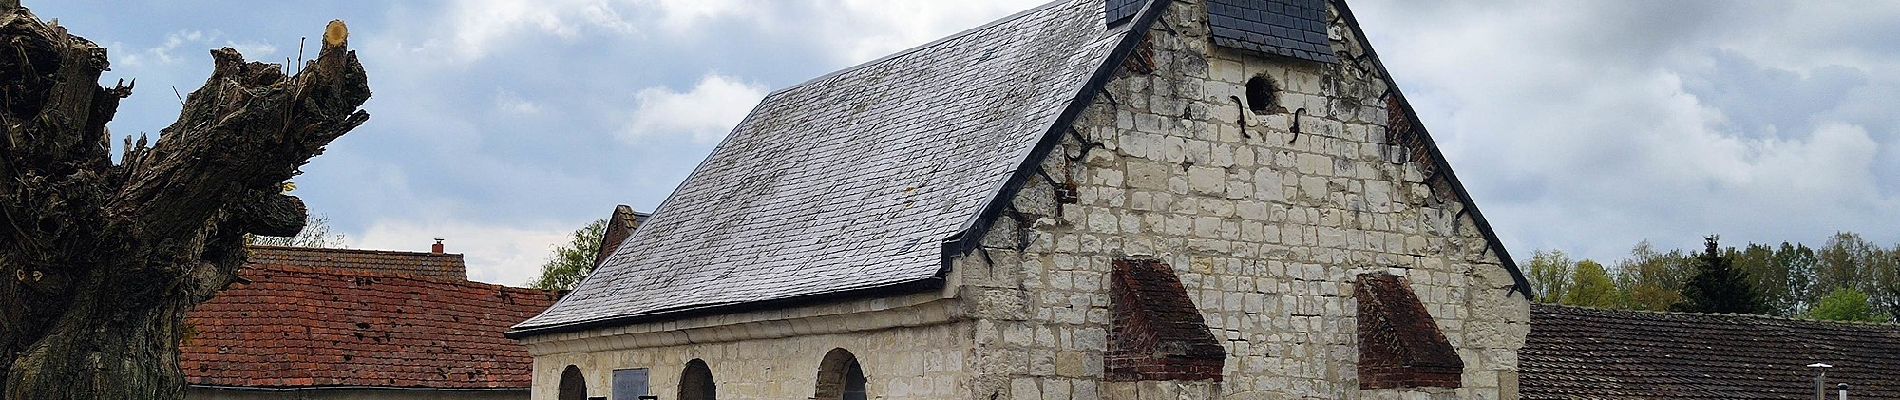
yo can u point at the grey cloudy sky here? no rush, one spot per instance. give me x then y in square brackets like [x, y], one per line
[1583, 126]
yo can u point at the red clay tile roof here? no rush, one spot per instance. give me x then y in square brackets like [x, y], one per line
[1581, 353]
[296, 326]
[448, 266]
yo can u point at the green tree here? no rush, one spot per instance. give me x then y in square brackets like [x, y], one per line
[1718, 287]
[1651, 280]
[1772, 279]
[1592, 287]
[1550, 275]
[1847, 304]
[571, 262]
[1849, 261]
[1800, 262]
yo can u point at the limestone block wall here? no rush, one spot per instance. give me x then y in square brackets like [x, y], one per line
[1266, 228]
[910, 351]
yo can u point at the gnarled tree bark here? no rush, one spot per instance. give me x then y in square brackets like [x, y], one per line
[99, 262]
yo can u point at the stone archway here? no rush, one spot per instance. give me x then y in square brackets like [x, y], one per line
[840, 377]
[696, 382]
[573, 385]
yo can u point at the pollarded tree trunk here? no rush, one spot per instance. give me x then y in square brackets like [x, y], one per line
[100, 261]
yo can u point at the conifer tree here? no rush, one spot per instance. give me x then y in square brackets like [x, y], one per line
[1718, 287]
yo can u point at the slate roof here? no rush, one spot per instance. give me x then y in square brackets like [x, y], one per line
[310, 327]
[855, 179]
[1580, 353]
[446, 266]
[1290, 28]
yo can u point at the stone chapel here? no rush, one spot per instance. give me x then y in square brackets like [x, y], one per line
[1091, 199]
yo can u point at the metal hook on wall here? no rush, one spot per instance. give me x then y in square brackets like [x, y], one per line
[1296, 124]
[1241, 107]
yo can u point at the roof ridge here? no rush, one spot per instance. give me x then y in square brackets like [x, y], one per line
[1683, 313]
[353, 272]
[347, 250]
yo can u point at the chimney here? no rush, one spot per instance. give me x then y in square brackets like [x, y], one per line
[436, 249]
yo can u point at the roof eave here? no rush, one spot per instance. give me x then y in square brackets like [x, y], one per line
[892, 289]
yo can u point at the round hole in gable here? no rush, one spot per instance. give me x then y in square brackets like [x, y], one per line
[1260, 94]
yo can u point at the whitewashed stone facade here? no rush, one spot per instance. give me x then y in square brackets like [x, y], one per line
[1266, 229]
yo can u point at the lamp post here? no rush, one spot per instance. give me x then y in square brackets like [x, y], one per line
[1820, 375]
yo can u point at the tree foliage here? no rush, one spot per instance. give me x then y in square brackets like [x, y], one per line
[570, 263]
[1788, 279]
[1652, 280]
[1550, 275]
[1592, 287]
[1846, 304]
[1718, 287]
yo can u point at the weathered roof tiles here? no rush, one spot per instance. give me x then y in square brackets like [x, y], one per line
[1581, 353]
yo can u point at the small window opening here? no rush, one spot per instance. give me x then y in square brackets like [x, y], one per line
[1260, 94]
[696, 382]
[840, 377]
[573, 385]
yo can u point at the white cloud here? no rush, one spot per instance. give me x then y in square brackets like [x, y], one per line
[512, 103]
[1590, 126]
[191, 42]
[468, 31]
[505, 255]
[705, 113]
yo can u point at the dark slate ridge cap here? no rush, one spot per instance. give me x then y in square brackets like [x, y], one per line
[893, 289]
[970, 236]
[1570, 310]
[1523, 285]
[888, 57]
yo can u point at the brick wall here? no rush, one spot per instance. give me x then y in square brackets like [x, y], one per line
[1400, 345]
[1154, 332]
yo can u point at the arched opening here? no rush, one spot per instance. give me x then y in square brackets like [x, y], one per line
[573, 386]
[696, 382]
[1260, 94]
[840, 377]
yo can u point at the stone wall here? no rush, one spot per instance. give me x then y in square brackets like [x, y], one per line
[1267, 230]
[911, 347]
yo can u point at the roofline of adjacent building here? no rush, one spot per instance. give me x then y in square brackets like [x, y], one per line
[899, 288]
[346, 387]
[345, 250]
[1522, 286]
[1876, 324]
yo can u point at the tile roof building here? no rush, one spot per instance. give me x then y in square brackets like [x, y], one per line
[333, 323]
[1582, 353]
[948, 222]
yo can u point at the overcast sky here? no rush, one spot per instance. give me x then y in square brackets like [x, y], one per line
[1582, 126]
